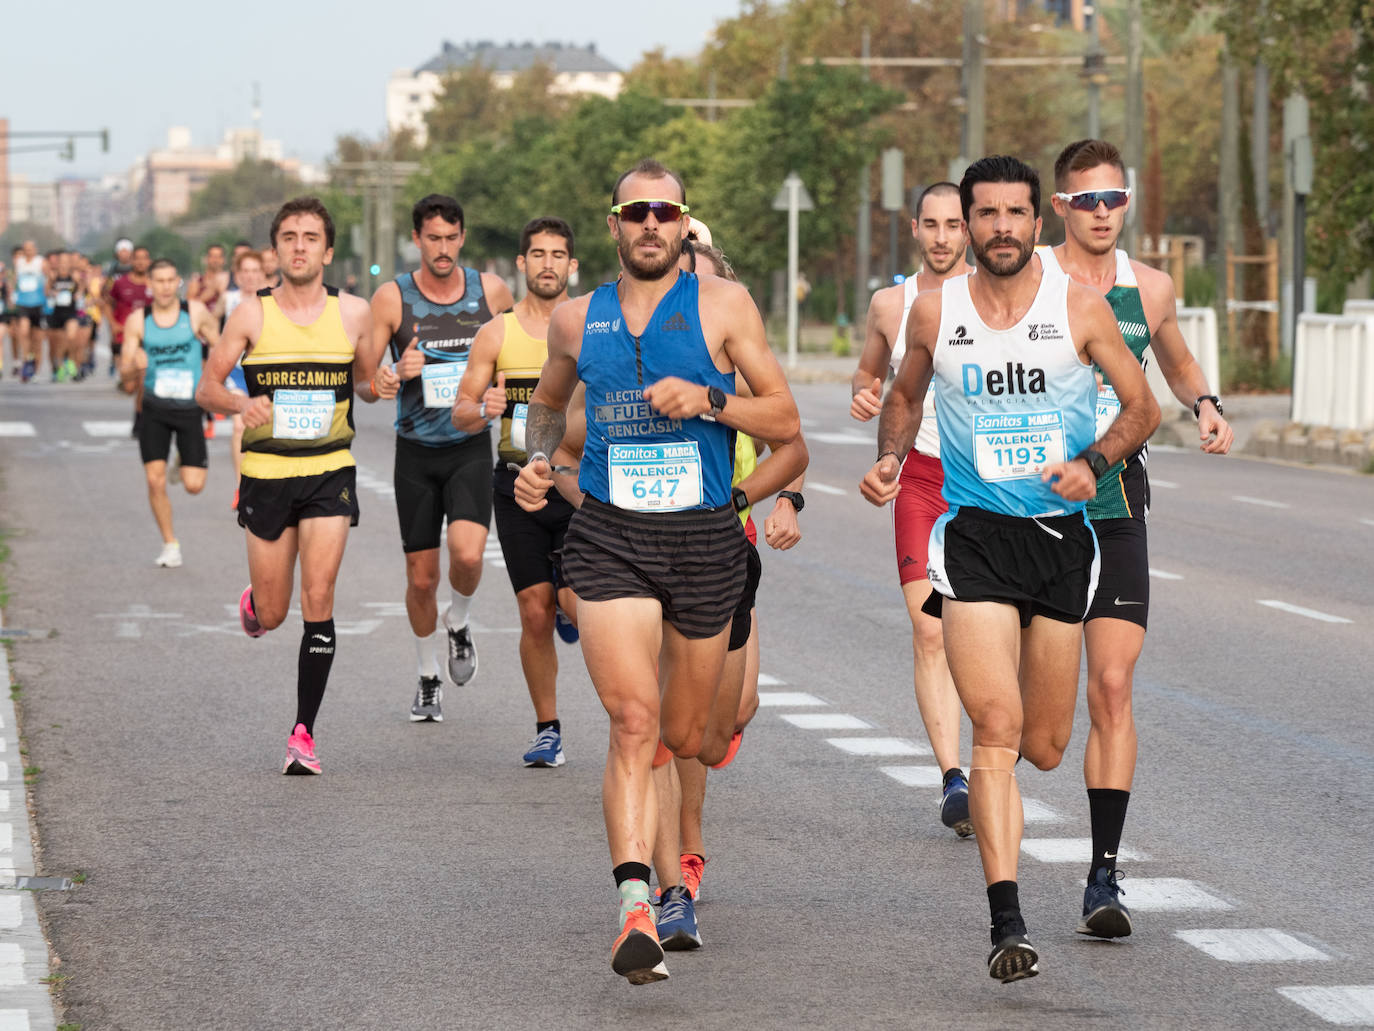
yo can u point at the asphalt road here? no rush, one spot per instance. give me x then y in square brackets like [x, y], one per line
[429, 880]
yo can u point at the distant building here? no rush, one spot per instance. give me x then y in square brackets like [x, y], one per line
[410, 93]
[32, 202]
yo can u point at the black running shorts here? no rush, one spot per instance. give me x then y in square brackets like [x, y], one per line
[59, 317]
[1044, 567]
[438, 483]
[741, 622]
[694, 563]
[268, 507]
[33, 314]
[1123, 586]
[528, 539]
[159, 425]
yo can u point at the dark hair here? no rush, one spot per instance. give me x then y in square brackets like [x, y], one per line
[654, 170]
[935, 189]
[999, 168]
[142, 248]
[436, 204]
[242, 243]
[214, 247]
[1082, 155]
[162, 263]
[304, 206]
[546, 224]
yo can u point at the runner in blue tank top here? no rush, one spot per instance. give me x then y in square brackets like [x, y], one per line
[165, 353]
[656, 554]
[428, 319]
[1093, 200]
[1013, 562]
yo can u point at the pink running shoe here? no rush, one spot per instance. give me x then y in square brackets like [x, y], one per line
[247, 618]
[693, 866]
[300, 753]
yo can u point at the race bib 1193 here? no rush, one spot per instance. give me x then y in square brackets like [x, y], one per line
[1017, 445]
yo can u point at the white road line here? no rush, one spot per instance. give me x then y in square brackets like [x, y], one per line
[877, 746]
[1166, 484]
[1348, 1005]
[1039, 812]
[1258, 945]
[916, 776]
[4, 801]
[825, 488]
[1165, 893]
[1070, 850]
[1159, 574]
[767, 681]
[108, 428]
[17, 429]
[10, 915]
[1367, 522]
[6, 837]
[1264, 502]
[1298, 610]
[4, 772]
[11, 965]
[789, 698]
[14, 1020]
[826, 721]
[866, 440]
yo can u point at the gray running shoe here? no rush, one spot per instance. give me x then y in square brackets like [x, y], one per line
[462, 655]
[428, 704]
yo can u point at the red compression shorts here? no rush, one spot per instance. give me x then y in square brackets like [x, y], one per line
[918, 505]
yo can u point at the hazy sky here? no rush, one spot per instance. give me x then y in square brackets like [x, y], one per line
[139, 66]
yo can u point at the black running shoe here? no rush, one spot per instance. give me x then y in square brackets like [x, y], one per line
[1104, 914]
[1013, 958]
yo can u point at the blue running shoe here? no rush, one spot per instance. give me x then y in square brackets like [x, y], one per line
[565, 627]
[546, 749]
[677, 920]
[1104, 914]
[954, 806]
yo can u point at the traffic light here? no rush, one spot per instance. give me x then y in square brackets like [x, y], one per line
[104, 141]
[68, 153]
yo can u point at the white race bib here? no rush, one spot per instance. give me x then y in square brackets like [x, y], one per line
[63, 299]
[1018, 445]
[174, 384]
[655, 477]
[302, 414]
[28, 283]
[440, 383]
[519, 415]
[1108, 408]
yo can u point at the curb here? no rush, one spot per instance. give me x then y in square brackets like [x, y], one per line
[26, 1004]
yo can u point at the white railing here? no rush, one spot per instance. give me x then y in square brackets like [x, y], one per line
[1333, 371]
[1358, 309]
[1199, 328]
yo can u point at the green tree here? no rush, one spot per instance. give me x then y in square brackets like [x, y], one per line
[249, 186]
[45, 238]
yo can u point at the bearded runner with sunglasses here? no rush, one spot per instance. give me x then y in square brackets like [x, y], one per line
[1092, 200]
[656, 553]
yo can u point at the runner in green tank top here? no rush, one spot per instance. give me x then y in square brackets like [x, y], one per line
[1092, 200]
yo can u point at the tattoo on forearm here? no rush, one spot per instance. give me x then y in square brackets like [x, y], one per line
[543, 428]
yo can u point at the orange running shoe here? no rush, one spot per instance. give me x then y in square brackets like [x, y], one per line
[693, 866]
[636, 955]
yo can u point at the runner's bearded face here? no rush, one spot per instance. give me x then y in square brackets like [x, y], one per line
[440, 244]
[648, 250]
[301, 248]
[547, 265]
[940, 235]
[164, 283]
[1098, 230]
[1002, 227]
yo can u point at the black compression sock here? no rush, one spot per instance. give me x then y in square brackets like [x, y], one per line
[1107, 811]
[1004, 905]
[539, 728]
[312, 670]
[630, 872]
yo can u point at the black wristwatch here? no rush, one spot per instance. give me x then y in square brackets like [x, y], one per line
[1096, 460]
[1197, 405]
[794, 496]
[739, 499]
[716, 397]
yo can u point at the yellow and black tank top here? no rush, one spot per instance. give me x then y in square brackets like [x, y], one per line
[308, 373]
[522, 360]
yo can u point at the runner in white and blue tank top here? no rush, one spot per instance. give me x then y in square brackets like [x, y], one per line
[1014, 561]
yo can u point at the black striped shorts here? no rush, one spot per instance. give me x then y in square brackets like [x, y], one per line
[694, 563]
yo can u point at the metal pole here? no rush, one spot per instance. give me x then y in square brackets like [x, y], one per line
[863, 242]
[1094, 90]
[1135, 118]
[1228, 182]
[974, 81]
[1259, 146]
[892, 268]
[793, 184]
[386, 225]
[369, 235]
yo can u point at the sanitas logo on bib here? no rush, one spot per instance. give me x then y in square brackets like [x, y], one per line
[1014, 378]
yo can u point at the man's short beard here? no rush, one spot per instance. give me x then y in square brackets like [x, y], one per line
[1026, 249]
[672, 250]
[303, 280]
[543, 292]
[930, 265]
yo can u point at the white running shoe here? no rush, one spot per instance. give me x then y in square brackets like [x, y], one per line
[171, 556]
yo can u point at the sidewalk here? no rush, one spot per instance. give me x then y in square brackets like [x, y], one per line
[1260, 421]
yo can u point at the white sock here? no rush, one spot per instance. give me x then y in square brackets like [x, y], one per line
[457, 615]
[426, 654]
